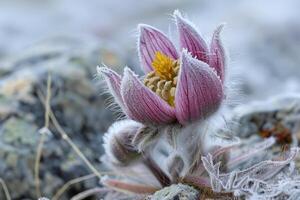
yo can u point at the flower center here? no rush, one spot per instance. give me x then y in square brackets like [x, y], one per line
[163, 79]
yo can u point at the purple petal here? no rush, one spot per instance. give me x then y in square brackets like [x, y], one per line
[217, 53]
[190, 39]
[199, 91]
[113, 81]
[142, 104]
[151, 41]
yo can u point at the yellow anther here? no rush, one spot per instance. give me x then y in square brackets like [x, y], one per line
[146, 81]
[158, 92]
[176, 69]
[172, 91]
[168, 85]
[163, 79]
[151, 87]
[165, 95]
[175, 80]
[151, 74]
[161, 84]
[153, 80]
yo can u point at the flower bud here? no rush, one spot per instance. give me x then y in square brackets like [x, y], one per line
[118, 142]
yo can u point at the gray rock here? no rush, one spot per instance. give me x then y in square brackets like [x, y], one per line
[176, 192]
[278, 116]
[76, 103]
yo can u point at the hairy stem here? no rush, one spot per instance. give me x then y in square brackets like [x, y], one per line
[157, 171]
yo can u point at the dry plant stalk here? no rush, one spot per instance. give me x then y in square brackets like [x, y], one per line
[90, 192]
[42, 139]
[69, 183]
[49, 113]
[65, 136]
[5, 189]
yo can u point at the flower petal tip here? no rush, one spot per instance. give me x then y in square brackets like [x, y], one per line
[219, 28]
[145, 27]
[128, 74]
[217, 59]
[177, 14]
[179, 19]
[104, 71]
[190, 39]
[113, 81]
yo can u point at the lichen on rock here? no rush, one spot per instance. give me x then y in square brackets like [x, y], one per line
[176, 192]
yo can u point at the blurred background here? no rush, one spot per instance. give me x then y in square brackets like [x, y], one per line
[70, 38]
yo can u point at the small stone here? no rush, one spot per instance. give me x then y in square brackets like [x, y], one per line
[176, 192]
[278, 117]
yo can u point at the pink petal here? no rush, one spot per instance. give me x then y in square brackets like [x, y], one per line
[190, 39]
[135, 188]
[142, 104]
[113, 81]
[199, 91]
[217, 53]
[151, 41]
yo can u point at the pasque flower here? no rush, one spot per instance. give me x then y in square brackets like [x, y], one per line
[181, 85]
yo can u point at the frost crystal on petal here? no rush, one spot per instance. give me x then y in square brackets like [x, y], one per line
[199, 91]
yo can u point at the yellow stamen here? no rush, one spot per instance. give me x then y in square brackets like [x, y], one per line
[163, 66]
[163, 79]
